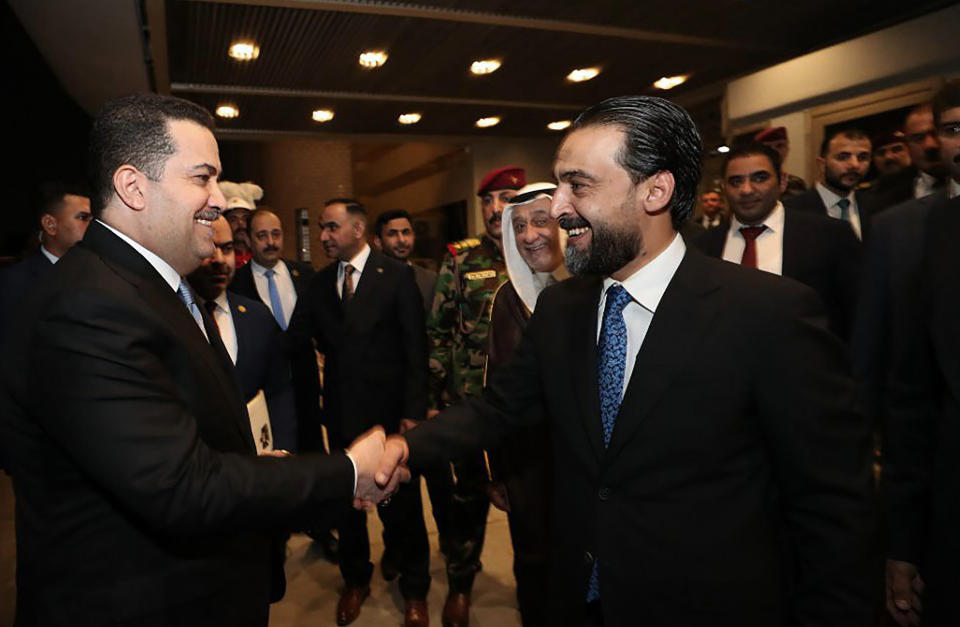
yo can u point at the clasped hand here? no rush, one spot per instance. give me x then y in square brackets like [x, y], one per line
[381, 466]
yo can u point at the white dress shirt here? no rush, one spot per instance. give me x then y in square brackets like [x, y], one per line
[646, 287]
[224, 319]
[288, 293]
[830, 199]
[166, 271]
[923, 185]
[769, 242]
[954, 188]
[49, 255]
[358, 262]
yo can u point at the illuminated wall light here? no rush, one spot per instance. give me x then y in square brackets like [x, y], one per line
[373, 58]
[723, 149]
[244, 50]
[486, 66]
[322, 115]
[583, 74]
[559, 125]
[669, 82]
[228, 111]
[488, 122]
[409, 118]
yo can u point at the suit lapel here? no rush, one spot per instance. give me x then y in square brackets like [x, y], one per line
[791, 254]
[682, 318]
[367, 287]
[585, 352]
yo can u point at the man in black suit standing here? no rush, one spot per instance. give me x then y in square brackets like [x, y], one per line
[815, 250]
[907, 360]
[366, 316]
[251, 336]
[268, 277]
[679, 499]
[844, 160]
[140, 499]
[394, 236]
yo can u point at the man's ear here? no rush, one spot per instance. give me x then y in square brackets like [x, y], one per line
[377, 243]
[49, 224]
[656, 192]
[129, 184]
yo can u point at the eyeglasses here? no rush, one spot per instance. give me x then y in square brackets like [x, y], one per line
[949, 129]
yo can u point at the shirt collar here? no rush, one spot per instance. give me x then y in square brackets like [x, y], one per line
[954, 188]
[280, 268]
[358, 261]
[49, 255]
[830, 198]
[774, 220]
[165, 269]
[647, 285]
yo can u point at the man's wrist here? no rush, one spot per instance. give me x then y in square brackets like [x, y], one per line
[354, 464]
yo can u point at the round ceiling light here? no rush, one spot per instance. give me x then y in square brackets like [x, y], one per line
[669, 82]
[485, 66]
[583, 74]
[244, 50]
[488, 122]
[409, 118]
[228, 111]
[322, 115]
[373, 58]
[559, 125]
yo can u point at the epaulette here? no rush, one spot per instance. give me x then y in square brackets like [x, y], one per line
[456, 248]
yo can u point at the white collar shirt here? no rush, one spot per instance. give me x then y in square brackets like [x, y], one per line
[358, 262]
[285, 287]
[49, 255]
[646, 287]
[165, 270]
[223, 316]
[831, 198]
[769, 243]
[923, 185]
[954, 188]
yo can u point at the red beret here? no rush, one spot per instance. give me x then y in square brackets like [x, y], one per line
[507, 177]
[774, 134]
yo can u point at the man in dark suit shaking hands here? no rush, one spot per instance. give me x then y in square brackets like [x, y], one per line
[679, 498]
[366, 315]
[140, 499]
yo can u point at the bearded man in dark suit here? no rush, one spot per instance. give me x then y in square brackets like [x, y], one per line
[679, 498]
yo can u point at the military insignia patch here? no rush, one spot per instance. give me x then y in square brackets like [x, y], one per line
[480, 275]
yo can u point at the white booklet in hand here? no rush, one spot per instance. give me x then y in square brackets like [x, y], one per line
[260, 422]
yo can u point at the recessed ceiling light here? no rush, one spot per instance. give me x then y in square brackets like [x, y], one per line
[487, 122]
[409, 118]
[723, 149]
[228, 111]
[373, 58]
[244, 50]
[559, 125]
[322, 115]
[486, 66]
[583, 74]
[669, 82]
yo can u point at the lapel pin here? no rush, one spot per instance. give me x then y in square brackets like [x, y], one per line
[295, 272]
[380, 270]
[242, 309]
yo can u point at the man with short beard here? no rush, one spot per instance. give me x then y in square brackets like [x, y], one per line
[457, 328]
[679, 498]
[844, 160]
[890, 155]
[394, 235]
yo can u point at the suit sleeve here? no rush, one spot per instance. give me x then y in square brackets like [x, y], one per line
[847, 277]
[412, 322]
[820, 449]
[120, 416]
[483, 421]
[278, 389]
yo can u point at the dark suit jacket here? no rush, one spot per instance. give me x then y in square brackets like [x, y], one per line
[426, 282]
[891, 271]
[818, 251]
[375, 348]
[16, 283]
[139, 498]
[811, 202]
[263, 364]
[243, 284]
[921, 475]
[705, 478]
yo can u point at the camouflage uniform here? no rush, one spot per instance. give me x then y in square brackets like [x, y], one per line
[457, 328]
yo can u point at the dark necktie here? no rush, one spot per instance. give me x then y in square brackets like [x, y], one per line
[347, 283]
[611, 369]
[844, 204]
[750, 234]
[211, 307]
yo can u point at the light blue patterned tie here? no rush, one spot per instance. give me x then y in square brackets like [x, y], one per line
[275, 303]
[187, 297]
[611, 368]
[844, 204]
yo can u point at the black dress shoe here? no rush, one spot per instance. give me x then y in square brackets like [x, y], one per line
[328, 544]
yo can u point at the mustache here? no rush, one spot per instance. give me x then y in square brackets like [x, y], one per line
[270, 249]
[567, 223]
[494, 219]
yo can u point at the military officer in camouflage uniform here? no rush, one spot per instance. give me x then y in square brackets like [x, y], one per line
[457, 328]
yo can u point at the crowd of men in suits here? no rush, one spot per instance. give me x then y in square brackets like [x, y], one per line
[638, 482]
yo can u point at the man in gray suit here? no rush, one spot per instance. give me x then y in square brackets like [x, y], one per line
[394, 236]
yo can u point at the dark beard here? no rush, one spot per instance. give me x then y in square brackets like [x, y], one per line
[837, 182]
[609, 251]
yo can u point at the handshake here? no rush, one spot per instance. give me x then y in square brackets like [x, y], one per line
[381, 466]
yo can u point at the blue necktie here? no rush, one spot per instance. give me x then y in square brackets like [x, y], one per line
[187, 297]
[275, 303]
[611, 368]
[844, 204]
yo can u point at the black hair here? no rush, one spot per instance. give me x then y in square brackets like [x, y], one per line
[387, 216]
[659, 136]
[849, 133]
[947, 98]
[133, 130]
[751, 149]
[259, 211]
[51, 193]
[354, 207]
